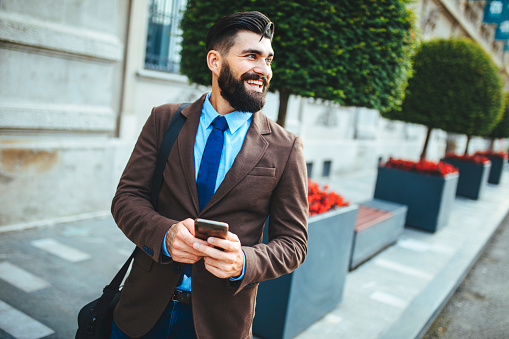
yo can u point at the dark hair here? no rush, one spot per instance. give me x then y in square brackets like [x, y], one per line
[221, 36]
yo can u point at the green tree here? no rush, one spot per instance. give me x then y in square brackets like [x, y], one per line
[355, 53]
[501, 130]
[455, 87]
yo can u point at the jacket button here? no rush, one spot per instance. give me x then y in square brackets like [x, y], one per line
[176, 269]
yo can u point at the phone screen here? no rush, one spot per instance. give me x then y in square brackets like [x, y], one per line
[208, 228]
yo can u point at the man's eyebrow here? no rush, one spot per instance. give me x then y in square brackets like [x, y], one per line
[255, 51]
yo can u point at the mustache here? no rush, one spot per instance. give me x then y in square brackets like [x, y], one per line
[254, 76]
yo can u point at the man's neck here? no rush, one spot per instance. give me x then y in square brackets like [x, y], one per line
[218, 102]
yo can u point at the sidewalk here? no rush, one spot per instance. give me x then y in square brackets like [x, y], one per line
[48, 273]
[400, 291]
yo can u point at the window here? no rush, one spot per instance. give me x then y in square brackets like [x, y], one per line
[326, 168]
[164, 35]
[309, 167]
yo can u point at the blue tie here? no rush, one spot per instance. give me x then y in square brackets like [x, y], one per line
[207, 175]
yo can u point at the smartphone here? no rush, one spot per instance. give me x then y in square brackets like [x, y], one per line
[204, 228]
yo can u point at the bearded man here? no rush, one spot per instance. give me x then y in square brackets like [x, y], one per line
[184, 287]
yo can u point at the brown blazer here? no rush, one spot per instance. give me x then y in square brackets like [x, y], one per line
[268, 177]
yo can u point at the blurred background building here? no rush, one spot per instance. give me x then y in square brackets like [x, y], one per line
[79, 78]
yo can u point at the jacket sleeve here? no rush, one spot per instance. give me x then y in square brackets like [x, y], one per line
[287, 244]
[131, 207]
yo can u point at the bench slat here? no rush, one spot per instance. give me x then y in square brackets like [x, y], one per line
[368, 217]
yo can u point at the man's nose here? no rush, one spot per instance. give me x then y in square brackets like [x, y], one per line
[263, 69]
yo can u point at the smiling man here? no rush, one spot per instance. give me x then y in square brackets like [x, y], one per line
[230, 163]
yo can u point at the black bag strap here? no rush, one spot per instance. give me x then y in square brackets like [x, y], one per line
[164, 151]
[109, 291]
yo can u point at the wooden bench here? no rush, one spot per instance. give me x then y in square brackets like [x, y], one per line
[378, 225]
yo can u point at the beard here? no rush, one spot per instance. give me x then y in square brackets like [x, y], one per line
[234, 91]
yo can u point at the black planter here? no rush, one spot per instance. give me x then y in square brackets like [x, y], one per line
[497, 168]
[288, 305]
[429, 199]
[473, 178]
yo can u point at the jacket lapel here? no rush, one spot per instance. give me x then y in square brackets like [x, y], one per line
[250, 154]
[186, 146]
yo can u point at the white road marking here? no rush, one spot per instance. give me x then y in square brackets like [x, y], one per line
[332, 318]
[388, 299]
[414, 245]
[403, 269]
[20, 278]
[20, 325]
[63, 251]
[422, 247]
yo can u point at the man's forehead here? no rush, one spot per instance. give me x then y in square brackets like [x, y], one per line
[250, 41]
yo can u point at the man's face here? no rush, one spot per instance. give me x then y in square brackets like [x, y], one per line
[246, 72]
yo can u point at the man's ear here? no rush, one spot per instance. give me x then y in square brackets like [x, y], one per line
[214, 61]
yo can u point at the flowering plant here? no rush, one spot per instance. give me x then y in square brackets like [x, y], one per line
[321, 201]
[492, 154]
[440, 169]
[477, 159]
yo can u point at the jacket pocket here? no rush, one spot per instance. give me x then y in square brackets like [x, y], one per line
[263, 172]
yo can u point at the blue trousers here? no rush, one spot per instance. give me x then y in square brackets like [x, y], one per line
[176, 322]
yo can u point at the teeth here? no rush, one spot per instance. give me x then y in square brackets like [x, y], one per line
[255, 82]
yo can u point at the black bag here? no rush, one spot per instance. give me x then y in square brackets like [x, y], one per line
[95, 318]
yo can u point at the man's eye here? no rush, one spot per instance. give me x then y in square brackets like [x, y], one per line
[268, 61]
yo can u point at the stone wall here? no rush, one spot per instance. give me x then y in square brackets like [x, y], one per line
[61, 74]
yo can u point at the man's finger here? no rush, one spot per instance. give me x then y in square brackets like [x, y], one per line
[205, 249]
[227, 245]
[189, 224]
[232, 237]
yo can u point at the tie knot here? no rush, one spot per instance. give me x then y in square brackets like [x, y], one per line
[220, 123]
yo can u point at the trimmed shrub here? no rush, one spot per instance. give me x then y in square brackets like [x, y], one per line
[455, 87]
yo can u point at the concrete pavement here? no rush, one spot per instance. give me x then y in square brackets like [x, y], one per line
[398, 293]
[48, 273]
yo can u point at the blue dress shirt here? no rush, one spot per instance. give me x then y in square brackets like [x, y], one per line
[234, 135]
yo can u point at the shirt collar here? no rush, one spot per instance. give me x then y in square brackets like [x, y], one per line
[234, 119]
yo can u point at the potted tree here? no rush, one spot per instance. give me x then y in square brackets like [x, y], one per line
[317, 285]
[498, 158]
[474, 171]
[455, 87]
[427, 188]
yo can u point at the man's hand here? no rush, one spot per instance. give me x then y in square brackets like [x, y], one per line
[222, 264]
[179, 242]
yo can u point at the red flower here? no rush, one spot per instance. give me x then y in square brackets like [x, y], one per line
[321, 201]
[492, 154]
[477, 158]
[440, 169]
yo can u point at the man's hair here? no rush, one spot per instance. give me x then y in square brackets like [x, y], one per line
[221, 36]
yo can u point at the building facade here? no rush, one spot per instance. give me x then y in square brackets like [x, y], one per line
[79, 78]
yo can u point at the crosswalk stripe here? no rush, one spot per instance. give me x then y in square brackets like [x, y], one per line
[63, 251]
[20, 325]
[20, 278]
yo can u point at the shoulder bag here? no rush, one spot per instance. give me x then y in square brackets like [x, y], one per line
[95, 318]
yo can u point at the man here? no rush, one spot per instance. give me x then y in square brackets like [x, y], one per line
[184, 287]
